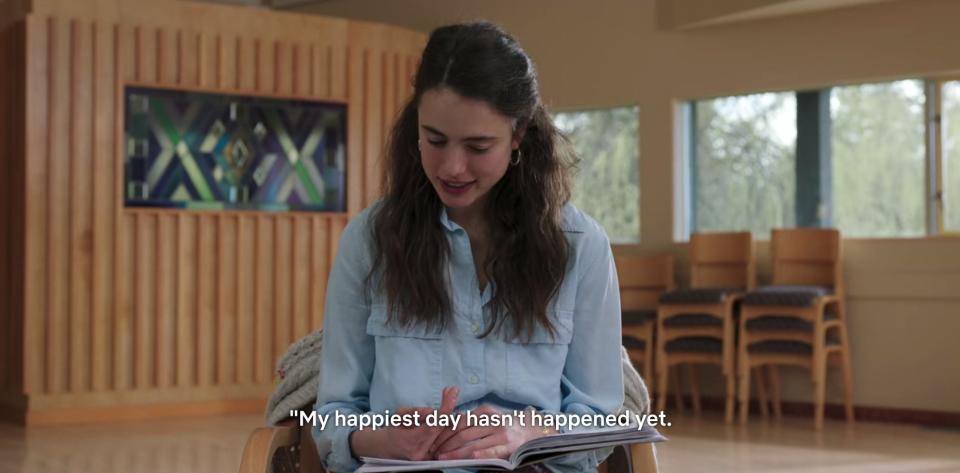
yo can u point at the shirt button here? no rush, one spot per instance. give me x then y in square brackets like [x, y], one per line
[474, 379]
[475, 328]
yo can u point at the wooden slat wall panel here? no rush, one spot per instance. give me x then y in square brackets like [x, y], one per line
[266, 66]
[36, 206]
[263, 289]
[338, 72]
[245, 277]
[226, 300]
[388, 103]
[320, 70]
[186, 301]
[302, 65]
[12, 206]
[226, 55]
[372, 124]
[319, 269]
[282, 255]
[247, 56]
[206, 310]
[166, 289]
[126, 69]
[81, 202]
[104, 224]
[284, 72]
[6, 159]
[356, 189]
[167, 54]
[400, 81]
[145, 299]
[300, 259]
[17, 247]
[149, 40]
[190, 54]
[60, 103]
[124, 327]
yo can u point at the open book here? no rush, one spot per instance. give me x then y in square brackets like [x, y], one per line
[534, 451]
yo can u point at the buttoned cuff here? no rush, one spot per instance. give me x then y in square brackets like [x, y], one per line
[340, 459]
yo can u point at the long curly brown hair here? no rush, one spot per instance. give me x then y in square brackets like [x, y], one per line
[529, 252]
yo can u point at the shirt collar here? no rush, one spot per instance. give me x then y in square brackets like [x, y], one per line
[450, 225]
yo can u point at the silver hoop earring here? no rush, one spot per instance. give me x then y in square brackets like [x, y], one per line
[515, 160]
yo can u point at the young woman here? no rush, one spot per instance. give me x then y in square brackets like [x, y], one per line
[473, 284]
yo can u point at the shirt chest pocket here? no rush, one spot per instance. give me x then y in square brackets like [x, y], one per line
[407, 364]
[535, 366]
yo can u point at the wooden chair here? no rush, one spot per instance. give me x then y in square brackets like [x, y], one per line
[697, 325]
[643, 279]
[289, 448]
[801, 319]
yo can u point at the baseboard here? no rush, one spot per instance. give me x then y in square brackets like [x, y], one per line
[113, 414]
[836, 411]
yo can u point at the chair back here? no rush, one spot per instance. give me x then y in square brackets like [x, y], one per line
[643, 278]
[722, 260]
[807, 256]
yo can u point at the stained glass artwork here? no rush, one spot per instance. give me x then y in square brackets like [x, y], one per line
[200, 150]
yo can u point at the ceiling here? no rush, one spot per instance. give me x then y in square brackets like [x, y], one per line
[424, 15]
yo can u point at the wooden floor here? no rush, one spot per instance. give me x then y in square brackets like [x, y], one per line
[696, 445]
[708, 445]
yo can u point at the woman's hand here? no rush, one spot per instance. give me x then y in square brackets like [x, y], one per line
[405, 443]
[485, 442]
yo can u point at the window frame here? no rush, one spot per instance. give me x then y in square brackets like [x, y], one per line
[936, 206]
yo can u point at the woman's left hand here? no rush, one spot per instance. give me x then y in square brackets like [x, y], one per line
[484, 442]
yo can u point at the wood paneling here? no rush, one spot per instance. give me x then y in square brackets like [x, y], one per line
[119, 301]
[12, 194]
[11, 12]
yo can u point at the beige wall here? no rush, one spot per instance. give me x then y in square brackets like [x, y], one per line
[904, 302]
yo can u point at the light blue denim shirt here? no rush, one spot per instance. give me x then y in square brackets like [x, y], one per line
[370, 366]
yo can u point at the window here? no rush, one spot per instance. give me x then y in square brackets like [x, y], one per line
[950, 169]
[607, 183]
[873, 160]
[742, 163]
[879, 159]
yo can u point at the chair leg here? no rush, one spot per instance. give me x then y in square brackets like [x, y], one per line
[643, 458]
[729, 367]
[694, 388]
[819, 388]
[309, 458]
[678, 388]
[774, 373]
[744, 393]
[762, 392]
[731, 397]
[847, 375]
[648, 359]
[662, 378]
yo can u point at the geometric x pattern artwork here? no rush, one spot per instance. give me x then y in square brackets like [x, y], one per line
[214, 151]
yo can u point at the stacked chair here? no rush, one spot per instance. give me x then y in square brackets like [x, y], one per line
[800, 319]
[697, 325]
[643, 279]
